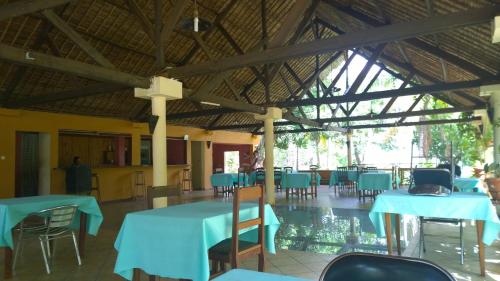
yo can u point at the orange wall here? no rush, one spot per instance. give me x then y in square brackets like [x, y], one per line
[116, 182]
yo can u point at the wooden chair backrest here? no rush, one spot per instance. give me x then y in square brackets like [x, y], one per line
[161, 191]
[253, 193]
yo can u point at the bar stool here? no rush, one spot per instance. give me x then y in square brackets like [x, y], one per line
[96, 186]
[314, 180]
[187, 184]
[139, 184]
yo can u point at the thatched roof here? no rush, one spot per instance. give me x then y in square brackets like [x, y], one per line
[117, 32]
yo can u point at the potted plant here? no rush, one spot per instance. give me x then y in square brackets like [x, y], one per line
[493, 179]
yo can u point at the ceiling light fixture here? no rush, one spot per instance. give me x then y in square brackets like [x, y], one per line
[210, 103]
[195, 17]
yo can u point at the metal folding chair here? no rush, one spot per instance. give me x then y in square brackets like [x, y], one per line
[57, 226]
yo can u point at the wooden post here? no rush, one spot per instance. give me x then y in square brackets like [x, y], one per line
[7, 274]
[349, 148]
[82, 235]
[398, 232]
[388, 232]
[480, 245]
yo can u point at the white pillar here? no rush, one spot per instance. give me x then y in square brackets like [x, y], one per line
[158, 104]
[272, 114]
[493, 91]
[269, 160]
[44, 170]
[161, 90]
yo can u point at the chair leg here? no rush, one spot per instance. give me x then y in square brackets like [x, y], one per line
[215, 267]
[461, 243]
[76, 248]
[47, 267]
[261, 262]
[18, 247]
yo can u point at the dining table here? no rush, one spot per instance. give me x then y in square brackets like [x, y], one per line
[469, 185]
[299, 181]
[173, 242]
[390, 205]
[352, 175]
[13, 210]
[249, 275]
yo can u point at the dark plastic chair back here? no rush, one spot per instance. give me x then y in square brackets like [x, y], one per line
[287, 170]
[432, 176]
[260, 176]
[373, 267]
[342, 174]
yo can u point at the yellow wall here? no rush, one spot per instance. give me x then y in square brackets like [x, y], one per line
[116, 182]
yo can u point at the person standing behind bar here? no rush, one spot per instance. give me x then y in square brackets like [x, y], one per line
[78, 178]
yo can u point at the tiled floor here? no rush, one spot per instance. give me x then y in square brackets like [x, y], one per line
[328, 211]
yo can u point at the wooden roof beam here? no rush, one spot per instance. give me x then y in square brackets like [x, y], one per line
[86, 91]
[427, 89]
[143, 20]
[94, 72]
[25, 7]
[378, 35]
[76, 38]
[384, 125]
[466, 65]
[368, 117]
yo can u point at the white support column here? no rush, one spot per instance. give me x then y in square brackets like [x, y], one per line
[161, 90]
[272, 114]
[158, 104]
[493, 91]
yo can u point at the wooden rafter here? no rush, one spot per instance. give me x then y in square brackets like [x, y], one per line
[143, 20]
[94, 72]
[25, 7]
[468, 66]
[378, 35]
[64, 27]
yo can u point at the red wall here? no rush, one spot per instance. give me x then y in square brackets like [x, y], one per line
[219, 149]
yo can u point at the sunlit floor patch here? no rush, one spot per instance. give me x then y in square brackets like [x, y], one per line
[327, 230]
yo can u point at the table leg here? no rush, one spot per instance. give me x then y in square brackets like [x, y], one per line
[287, 192]
[480, 228]
[398, 233]
[388, 232]
[8, 263]
[82, 235]
[137, 275]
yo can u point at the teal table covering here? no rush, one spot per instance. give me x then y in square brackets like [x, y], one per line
[334, 177]
[298, 180]
[243, 179]
[253, 177]
[220, 180]
[174, 241]
[460, 205]
[248, 275]
[469, 184]
[14, 210]
[375, 181]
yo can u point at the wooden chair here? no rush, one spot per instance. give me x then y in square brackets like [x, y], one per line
[96, 186]
[161, 191]
[233, 249]
[314, 184]
[139, 184]
[187, 184]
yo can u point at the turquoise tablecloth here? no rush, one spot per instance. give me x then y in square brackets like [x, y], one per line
[253, 177]
[248, 275]
[334, 177]
[469, 184]
[243, 179]
[460, 205]
[173, 242]
[220, 180]
[14, 210]
[375, 181]
[298, 180]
